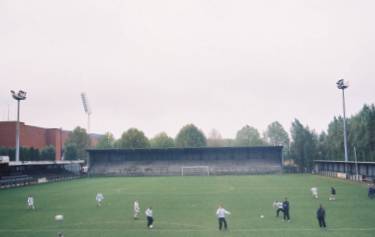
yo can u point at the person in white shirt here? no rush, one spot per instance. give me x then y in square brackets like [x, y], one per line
[150, 219]
[314, 192]
[99, 198]
[221, 213]
[278, 206]
[136, 209]
[30, 202]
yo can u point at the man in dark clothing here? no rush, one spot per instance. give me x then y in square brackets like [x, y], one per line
[286, 210]
[371, 191]
[333, 194]
[321, 215]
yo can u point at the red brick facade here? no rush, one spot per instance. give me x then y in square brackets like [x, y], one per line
[37, 137]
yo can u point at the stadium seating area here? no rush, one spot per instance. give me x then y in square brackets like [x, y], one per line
[26, 175]
[28, 179]
[173, 167]
[360, 171]
[15, 180]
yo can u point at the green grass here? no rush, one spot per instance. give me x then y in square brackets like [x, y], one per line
[185, 206]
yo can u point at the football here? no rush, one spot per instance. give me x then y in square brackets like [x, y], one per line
[261, 216]
[59, 217]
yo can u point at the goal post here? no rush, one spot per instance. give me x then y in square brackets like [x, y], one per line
[195, 171]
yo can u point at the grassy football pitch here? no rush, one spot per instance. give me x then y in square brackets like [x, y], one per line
[186, 206]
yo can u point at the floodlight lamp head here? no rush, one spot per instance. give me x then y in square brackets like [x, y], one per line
[21, 95]
[85, 103]
[341, 84]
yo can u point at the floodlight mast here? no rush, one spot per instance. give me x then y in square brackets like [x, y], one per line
[342, 85]
[87, 108]
[20, 95]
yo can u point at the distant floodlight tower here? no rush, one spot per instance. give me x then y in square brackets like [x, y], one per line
[87, 109]
[342, 85]
[20, 95]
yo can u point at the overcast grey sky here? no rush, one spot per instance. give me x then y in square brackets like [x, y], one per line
[159, 64]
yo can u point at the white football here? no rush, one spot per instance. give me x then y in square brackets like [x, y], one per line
[59, 217]
[151, 226]
[261, 216]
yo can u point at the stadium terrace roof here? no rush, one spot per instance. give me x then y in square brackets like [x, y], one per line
[186, 148]
[60, 162]
[341, 161]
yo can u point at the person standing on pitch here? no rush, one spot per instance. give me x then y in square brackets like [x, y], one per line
[286, 210]
[99, 198]
[136, 209]
[279, 207]
[321, 215]
[220, 213]
[149, 216]
[30, 202]
[314, 192]
[333, 194]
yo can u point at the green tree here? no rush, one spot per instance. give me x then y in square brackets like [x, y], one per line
[334, 141]
[81, 140]
[228, 142]
[190, 136]
[106, 141]
[322, 149]
[70, 151]
[133, 138]
[362, 133]
[10, 152]
[276, 135]
[24, 153]
[162, 140]
[48, 153]
[35, 154]
[303, 148]
[214, 139]
[248, 136]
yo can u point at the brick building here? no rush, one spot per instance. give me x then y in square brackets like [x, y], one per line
[36, 137]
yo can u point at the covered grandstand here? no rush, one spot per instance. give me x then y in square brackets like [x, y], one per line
[15, 174]
[352, 170]
[195, 161]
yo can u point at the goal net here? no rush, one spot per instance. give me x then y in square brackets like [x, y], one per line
[195, 171]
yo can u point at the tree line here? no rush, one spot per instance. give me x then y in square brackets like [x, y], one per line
[30, 153]
[302, 145]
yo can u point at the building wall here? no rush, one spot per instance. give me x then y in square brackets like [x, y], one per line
[32, 136]
[57, 137]
[8, 134]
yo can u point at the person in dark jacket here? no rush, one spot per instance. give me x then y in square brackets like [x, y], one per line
[286, 210]
[333, 194]
[321, 215]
